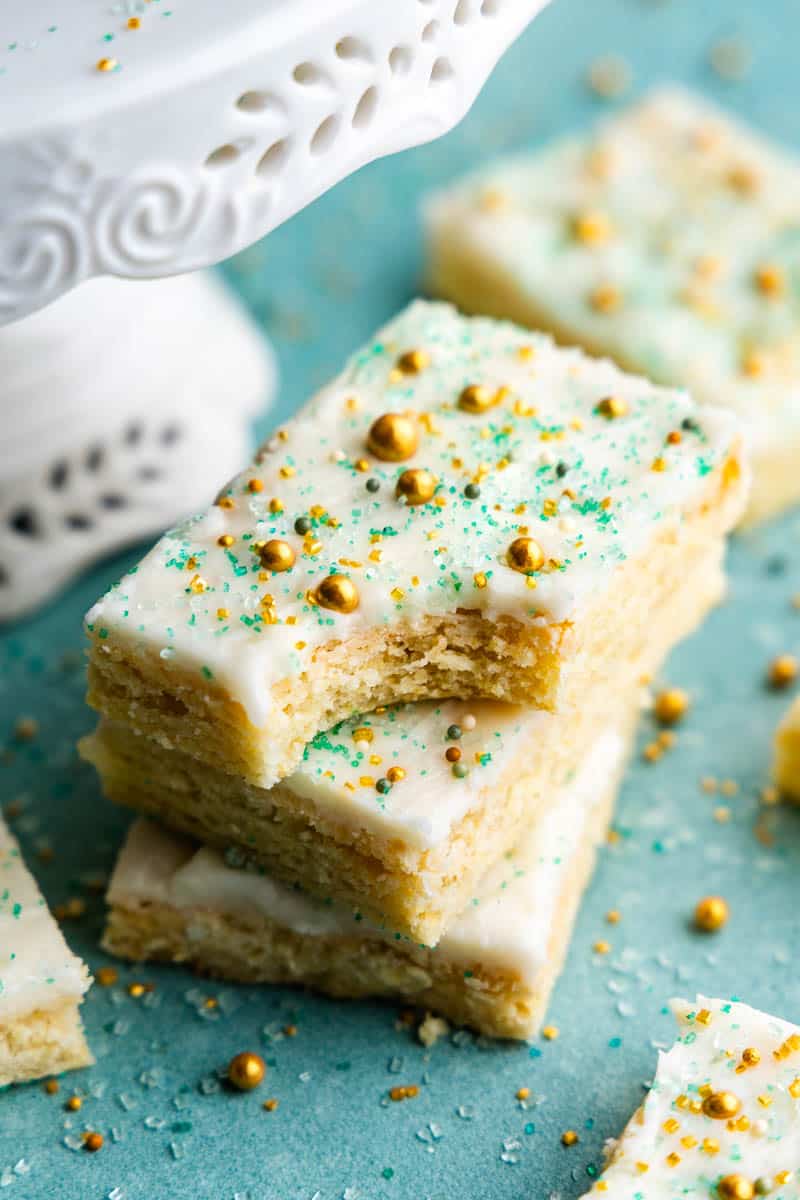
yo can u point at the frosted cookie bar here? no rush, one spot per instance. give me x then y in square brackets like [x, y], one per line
[399, 813]
[666, 239]
[493, 969]
[467, 510]
[786, 767]
[41, 982]
[721, 1118]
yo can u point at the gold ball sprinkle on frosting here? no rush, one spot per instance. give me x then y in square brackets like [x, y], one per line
[611, 407]
[606, 298]
[394, 437]
[276, 555]
[416, 486]
[711, 913]
[337, 593]
[743, 179]
[107, 64]
[671, 706]
[246, 1071]
[751, 1057]
[735, 1187]
[569, 1137]
[475, 398]
[782, 671]
[592, 228]
[525, 555]
[753, 363]
[413, 361]
[770, 280]
[93, 1142]
[225, 540]
[721, 1105]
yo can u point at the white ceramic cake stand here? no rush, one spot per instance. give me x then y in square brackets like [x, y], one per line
[140, 139]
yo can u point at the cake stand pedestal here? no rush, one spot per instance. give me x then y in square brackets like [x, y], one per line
[141, 140]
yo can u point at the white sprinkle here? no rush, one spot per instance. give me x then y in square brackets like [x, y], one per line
[431, 1029]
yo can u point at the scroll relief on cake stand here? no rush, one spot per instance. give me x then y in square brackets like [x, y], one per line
[139, 142]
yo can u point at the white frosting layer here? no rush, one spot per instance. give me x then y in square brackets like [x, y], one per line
[340, 769]
[548, 465]
[670, 1151]
[37, 969]
[680, 206]
[507, 926]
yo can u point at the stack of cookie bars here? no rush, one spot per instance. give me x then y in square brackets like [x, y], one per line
[381, 693]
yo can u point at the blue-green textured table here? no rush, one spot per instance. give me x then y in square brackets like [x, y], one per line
[320, 285]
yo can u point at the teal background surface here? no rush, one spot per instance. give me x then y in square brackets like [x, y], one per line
[319, 286]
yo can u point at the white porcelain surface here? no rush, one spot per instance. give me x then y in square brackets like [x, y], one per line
[123, 406]
[218, 121]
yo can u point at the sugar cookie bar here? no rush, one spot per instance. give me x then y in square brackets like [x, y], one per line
[493, 969]
[665, 239]
[467, 510]
[721, 1118]
[786, 769]
[41, 982]
[399, 813]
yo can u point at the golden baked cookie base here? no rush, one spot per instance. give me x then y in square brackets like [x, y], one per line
[257, 950]
[786, 767]
[45, 1042]
[549, 666]
[389, 881]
